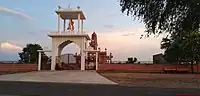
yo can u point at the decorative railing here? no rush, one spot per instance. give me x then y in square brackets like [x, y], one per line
[68, 33]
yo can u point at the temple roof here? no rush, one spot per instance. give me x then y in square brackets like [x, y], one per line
[70, 13]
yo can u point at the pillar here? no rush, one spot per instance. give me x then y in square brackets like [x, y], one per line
[82, 60]
[53, 56]
[82, 26]
[39, 61]
[79, 17]
[59, 56]
[96, 60]
[59, 22]
[82, 55]
[64, 27]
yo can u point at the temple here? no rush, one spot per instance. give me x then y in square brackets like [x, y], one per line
[90, 54]
[103, 56]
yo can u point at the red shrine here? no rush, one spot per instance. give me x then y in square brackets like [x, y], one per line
[103, 58]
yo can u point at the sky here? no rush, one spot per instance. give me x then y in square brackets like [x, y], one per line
[25, 21]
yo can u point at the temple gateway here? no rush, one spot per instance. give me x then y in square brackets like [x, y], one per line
[90, 54]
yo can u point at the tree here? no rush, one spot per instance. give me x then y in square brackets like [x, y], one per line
[175, 17]
[134, 60]
[192, 48]
[131, 60]
[186, 49]
[30, 53]
[173, 50]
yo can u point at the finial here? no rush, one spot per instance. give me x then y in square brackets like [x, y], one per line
[78, 7]
[59, 7]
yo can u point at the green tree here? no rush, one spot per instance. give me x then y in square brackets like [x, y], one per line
[30, 54]
[186, 49]
[134, 60]
[130, 60]
[173, 50]
[175, 17]
[192, 48]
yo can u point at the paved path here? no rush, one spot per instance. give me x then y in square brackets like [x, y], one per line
[13, 88]
[58, 76]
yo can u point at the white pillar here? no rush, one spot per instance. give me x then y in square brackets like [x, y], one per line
[53, 56]
[64, 27]
[59, 22]
[82, 60]
[82, 55]
[59, 56]
[79, 17]
[82, 26]
[96, 60]
[39, 61]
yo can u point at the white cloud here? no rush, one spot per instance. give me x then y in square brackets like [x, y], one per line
[15, 12]
[130, 45]
[10, 47]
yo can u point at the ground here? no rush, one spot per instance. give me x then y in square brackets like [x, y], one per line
[70, 83]
[155, 80]
[66, 76]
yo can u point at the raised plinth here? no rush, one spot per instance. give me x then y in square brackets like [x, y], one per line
[68, 34]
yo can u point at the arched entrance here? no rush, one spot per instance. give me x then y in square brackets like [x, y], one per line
[67, 56]
[70, 55]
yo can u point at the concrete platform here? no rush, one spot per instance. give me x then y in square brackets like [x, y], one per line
[71, 76]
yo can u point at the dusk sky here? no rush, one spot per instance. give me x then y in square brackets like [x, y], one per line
[29, 21]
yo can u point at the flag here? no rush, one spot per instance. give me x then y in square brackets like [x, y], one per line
[71, 25]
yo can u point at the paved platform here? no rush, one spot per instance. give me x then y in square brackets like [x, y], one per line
[70, 76]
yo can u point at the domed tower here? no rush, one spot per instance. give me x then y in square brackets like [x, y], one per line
[93, 42]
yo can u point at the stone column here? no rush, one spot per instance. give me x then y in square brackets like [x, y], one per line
[59, 22]
[79, 17]
[59, 56]
[82, 26]
[53, 56]
[64, 27]
[39, 61]
[96, 60]
[82, 55]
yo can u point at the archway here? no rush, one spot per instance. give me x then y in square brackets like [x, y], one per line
[69, 55]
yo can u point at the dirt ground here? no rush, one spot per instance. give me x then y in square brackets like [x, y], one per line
[155, 80]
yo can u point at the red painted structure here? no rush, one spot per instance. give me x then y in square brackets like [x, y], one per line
[145, 67]
[18, 67]
[103, 58]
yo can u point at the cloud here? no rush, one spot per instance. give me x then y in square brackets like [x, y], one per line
[15, 12]
[109, 26]
[127, 34]
[10, 47]
[126, 46]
